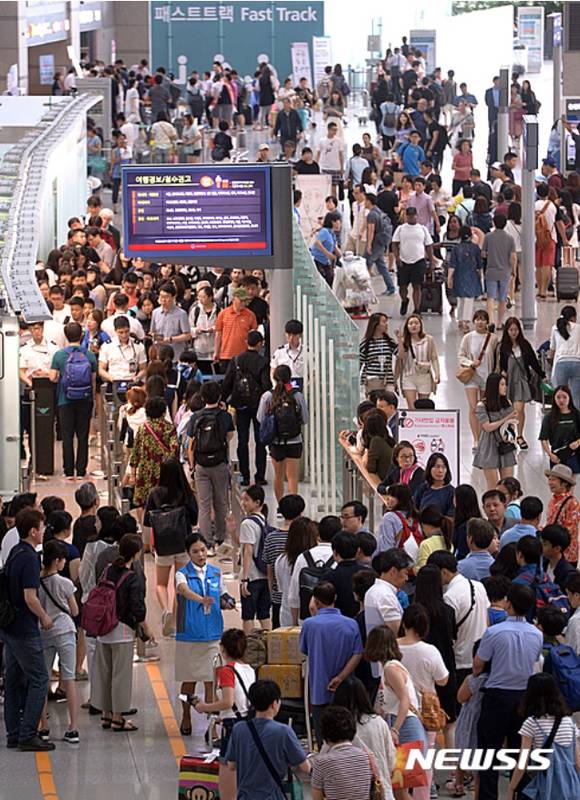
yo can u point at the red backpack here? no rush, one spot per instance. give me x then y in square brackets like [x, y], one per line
[99, 615]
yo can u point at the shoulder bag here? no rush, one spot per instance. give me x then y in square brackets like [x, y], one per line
[376, 791]
[503, 447]
[466, 371]
[528, 776]
[159, 441]
[264, 755]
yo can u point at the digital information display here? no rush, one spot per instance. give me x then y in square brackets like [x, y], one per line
[197, 209]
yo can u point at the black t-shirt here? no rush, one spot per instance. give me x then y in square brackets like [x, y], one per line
[302, 168]
[432, 129]
[260, 308]
[224, 141]
[23, 571]
[387, 202]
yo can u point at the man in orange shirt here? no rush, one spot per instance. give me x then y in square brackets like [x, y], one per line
[232, 327]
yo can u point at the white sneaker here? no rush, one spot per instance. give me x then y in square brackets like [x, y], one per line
[167, 623]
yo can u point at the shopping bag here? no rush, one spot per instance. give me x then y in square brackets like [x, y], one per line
[403, 778]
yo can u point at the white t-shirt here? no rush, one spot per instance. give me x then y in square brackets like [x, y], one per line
[458, 596]
[250, 532]
[381, 605]
[425, 665]
[322, 552]
[131, 132]
[283, 577]
[330, 150]
[413, 239]
[549, 214]
[565, 348]
[248, 676]
[135, 326]
[9, 541]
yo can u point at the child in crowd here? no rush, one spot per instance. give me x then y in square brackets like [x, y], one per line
[57, 598]
[573, 629]
[470, 697]
[555, 542]
[497, 587]
[512, 490]
[552, 623]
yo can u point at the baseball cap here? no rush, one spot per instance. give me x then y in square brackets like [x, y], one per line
[264, 146]
[549, 162]
[496, 165]
[241, 293]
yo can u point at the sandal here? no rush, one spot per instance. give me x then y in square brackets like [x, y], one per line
[106, 723]
[454, 790]
[522, 444]
[124, 726]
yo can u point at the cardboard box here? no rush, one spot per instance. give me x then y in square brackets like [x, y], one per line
[284, 646]
[287, 676]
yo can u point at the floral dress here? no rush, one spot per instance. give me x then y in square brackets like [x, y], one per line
[564, 509]
[155, 441]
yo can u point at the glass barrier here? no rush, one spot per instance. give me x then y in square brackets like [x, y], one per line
[331, 341]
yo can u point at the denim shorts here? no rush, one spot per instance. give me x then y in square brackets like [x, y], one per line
[497, 290]
[257, 606]
[66, 646]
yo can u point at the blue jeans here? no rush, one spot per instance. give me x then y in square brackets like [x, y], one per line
[26, 685]
[377, 257]
[246, 417]
[567, 373]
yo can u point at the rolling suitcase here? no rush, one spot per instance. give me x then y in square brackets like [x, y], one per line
[567, 283]
[431, 298]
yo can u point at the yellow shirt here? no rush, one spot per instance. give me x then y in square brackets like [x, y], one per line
[428, 546]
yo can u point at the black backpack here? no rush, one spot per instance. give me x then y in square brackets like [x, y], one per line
[7, 609]
[288, 419]
[245, 391]
[210, 446]
[309, 577]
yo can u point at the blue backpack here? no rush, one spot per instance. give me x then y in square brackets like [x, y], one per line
[77, 376]
[265, 529]
[547, 593]
[563, 663]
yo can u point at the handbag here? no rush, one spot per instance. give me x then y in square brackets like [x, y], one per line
[433, 717]
[403, 778]
[170, 526]
[466, 371]
[503, 448]
[376, 791]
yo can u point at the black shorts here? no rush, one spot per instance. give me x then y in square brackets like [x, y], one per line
[257, 606]
[227, 727]
[412, 273]
[278, 452]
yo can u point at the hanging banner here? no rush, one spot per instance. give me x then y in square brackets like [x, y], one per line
[46, 69]
[531, 33]
[315, 189]
[301, 63]
[321, 56]
[431, 431]
[425, 41]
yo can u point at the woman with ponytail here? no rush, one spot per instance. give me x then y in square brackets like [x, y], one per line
[113, 661]
[438, 533]
[58, 526]
[288, 407]
[565, 349]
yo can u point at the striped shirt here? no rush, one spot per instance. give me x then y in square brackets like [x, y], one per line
[376, 359]
[343, 773]
[539, 728]
[274, 547]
